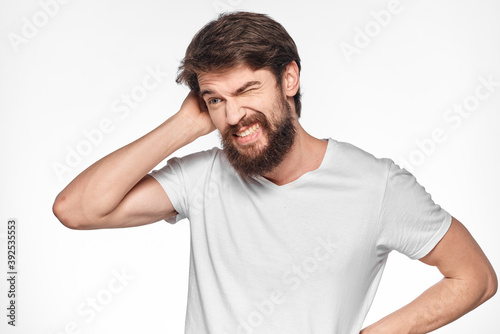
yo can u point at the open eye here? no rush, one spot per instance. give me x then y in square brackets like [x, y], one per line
[213, 101]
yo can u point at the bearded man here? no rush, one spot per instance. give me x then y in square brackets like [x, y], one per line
[289, 233]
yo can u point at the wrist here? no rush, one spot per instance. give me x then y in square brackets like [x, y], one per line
[193, 127]
[184, 127]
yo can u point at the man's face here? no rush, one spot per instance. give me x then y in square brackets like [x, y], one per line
[251, 113]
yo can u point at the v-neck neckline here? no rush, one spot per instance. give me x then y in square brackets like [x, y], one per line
[304, 177]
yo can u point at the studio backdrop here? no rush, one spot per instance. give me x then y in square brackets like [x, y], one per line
[414, 81]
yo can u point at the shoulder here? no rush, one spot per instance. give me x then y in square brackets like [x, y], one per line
[190, 165]
[355, 161]
[198, 158]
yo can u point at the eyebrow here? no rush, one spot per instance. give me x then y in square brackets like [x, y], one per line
[238, 91]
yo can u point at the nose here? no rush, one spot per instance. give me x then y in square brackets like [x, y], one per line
[234, 112]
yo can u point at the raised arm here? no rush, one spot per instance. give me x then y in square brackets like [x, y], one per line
[469, 280]
[116, 190]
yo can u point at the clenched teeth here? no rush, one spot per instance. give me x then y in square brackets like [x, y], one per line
[249, 131]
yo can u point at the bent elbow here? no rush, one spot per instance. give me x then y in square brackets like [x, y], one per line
[63, 212]
[71, 214]
[492, 286]
[486, 284]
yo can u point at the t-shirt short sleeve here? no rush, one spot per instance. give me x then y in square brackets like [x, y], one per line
[410, 222]
[180, 177]
[171, 178]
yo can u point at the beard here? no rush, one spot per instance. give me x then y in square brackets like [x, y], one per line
[259, 159]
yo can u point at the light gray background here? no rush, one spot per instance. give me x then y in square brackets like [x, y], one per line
[70, 74]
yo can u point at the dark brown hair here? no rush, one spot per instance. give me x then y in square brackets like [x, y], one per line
[239, 38]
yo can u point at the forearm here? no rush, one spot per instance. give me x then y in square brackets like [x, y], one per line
[100, 188]
[441, 304]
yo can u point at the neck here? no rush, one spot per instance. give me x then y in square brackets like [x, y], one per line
[306, 155]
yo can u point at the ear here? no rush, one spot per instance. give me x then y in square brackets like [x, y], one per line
[291, 79]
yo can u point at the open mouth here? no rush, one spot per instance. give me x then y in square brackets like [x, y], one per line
[249, 131]
[248, 134]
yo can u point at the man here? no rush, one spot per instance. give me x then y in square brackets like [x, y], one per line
[289, 233]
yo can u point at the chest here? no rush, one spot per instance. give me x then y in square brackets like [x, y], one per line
[326, 230]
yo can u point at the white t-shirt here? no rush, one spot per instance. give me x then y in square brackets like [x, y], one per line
[305, 257]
